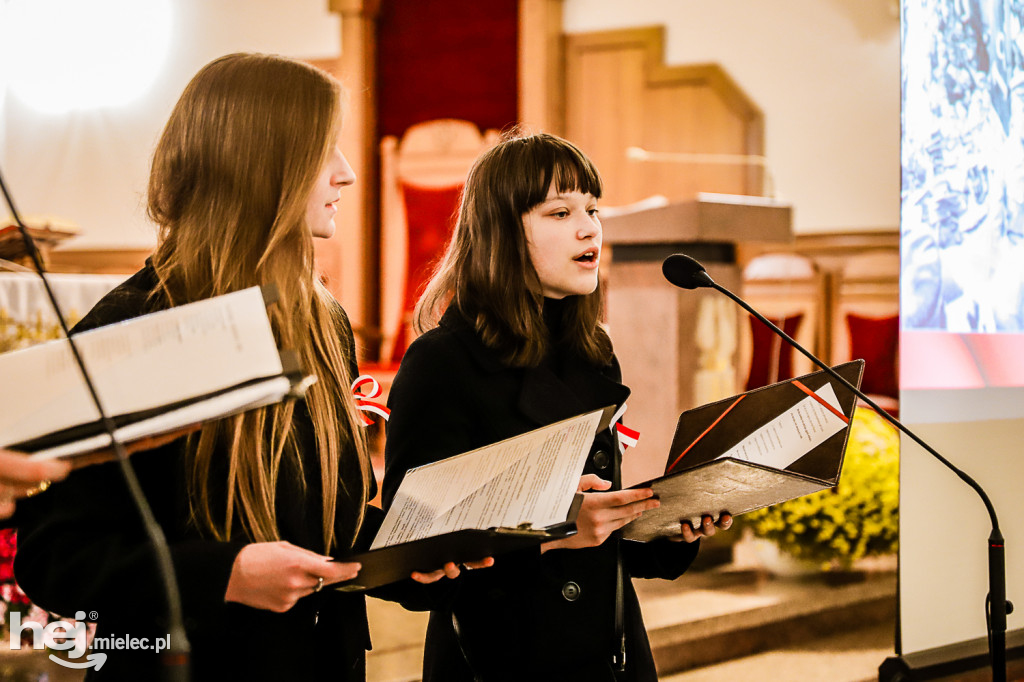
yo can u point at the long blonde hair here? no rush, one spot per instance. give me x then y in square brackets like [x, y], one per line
[231, 178]
[486, 271]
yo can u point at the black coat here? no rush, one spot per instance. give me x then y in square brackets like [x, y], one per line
[81, 547]
[531, 616]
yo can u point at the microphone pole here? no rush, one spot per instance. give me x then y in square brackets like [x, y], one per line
[176, 658]
[687, 273]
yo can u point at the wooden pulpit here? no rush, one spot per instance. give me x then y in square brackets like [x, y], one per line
[678, 347]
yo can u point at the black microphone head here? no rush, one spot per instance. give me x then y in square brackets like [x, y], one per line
[685, 272]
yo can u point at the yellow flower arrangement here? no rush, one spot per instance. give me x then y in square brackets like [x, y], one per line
[15, 335]
[857, 518]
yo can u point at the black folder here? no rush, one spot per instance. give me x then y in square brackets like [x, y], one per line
[396, 562]
[702, 483]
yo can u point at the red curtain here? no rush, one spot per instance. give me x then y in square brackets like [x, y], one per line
[447, 59]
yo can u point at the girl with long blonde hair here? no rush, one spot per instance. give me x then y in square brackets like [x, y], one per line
[246, 174]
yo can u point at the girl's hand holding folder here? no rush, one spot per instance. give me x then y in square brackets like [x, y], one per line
[603, 513]
[450, 570]
[21, 476]
[708, 527]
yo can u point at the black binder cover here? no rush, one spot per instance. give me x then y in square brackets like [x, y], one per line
[701, 484]
[395, 562]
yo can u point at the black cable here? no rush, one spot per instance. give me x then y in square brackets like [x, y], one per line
[176, 658]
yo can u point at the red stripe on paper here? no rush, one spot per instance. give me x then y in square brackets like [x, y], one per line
[846, 420]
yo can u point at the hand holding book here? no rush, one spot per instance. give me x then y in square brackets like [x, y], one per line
[450, 570]
[20, 476]
[707, 527]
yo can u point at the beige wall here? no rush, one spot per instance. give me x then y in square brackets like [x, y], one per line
[943, 523]
[824, 72]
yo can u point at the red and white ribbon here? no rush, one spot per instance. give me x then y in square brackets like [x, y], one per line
[363, 400]
[627, 437]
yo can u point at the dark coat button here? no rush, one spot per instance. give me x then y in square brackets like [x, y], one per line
[571, 591]
[601, 459]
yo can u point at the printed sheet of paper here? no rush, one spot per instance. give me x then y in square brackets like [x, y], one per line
[143, 363]
[792, 434]
[221, 405]
[531, 478]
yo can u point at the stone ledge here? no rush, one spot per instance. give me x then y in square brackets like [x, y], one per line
[782, 612]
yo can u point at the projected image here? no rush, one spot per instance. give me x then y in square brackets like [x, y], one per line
[962, 208]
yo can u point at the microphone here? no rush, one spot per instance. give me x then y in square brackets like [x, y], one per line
[686, 273]
[175, 661]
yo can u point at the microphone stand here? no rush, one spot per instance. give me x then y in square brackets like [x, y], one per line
[176, 659]
[996, 605]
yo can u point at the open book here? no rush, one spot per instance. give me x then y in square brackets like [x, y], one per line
[513, 494]
[153, 374]
[753, 450]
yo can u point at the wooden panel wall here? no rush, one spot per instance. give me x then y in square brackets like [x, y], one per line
[619, 93]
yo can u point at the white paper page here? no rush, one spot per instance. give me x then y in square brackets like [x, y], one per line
[792, 434]
[137, 365]
[246, 398]
[531, 478]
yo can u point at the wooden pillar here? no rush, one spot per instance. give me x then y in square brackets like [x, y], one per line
[541, 66]
[354, 254]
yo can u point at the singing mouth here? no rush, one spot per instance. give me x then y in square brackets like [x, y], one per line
[588, 256]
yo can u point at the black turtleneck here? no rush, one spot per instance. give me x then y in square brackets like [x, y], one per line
[554, 312]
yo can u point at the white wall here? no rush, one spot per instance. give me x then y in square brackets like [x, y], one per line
[824, 72]
[90, 167]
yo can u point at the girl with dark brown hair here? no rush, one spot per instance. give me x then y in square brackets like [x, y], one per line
[512, 341]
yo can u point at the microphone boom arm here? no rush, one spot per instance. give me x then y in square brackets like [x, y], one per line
[996, 604]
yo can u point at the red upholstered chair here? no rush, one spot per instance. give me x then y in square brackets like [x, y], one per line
[785, 288]
[876, 341]
[431, 213]
[421, 182]
[771, 357]
[866, 323]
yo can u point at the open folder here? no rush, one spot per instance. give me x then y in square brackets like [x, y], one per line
[513, 494]
[753, 450]
[154, 374]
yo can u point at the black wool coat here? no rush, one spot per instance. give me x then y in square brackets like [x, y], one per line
[81, 547]
[531, 616]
